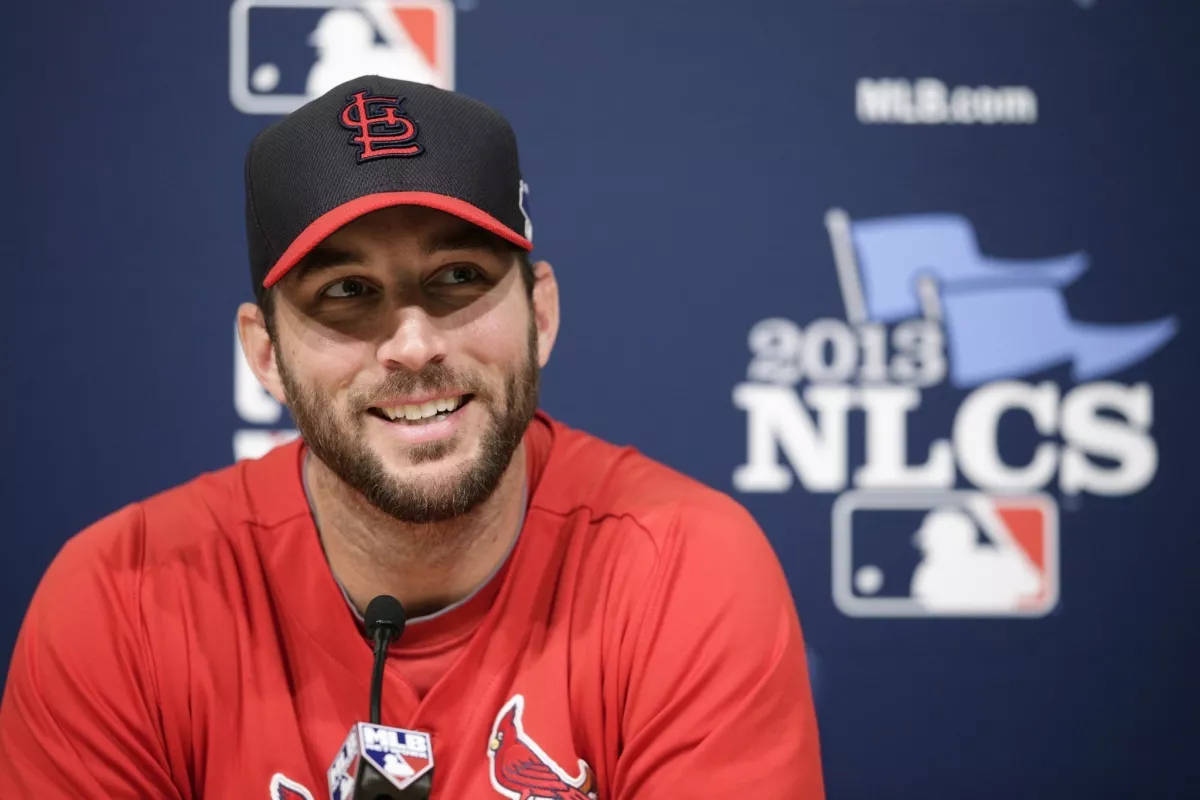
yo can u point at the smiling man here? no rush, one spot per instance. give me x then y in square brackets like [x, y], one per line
[407, 346]
[583, 622]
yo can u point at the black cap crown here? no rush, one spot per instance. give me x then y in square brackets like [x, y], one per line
[371, 143]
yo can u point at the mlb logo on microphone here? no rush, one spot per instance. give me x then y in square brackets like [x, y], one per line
[945, 554]
[401, 757]
[402, 753]
[283, 53]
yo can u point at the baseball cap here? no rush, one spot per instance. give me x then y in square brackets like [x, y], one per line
[370, 143]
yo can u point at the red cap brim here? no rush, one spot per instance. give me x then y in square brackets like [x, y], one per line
[331, 220]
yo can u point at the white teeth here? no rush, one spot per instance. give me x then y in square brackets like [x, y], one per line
[415, 412]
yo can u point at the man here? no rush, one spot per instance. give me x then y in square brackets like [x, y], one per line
[584, 622]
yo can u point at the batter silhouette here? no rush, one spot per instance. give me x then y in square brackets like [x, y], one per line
[959, 573]
[346, 47]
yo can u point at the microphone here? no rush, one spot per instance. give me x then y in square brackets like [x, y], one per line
[377, 762]
[384, 621]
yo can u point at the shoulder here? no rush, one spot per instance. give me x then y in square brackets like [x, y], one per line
[679, 517]
[196, 514]
[113, 564]
[150, 547]
[586, 471]
[698, 635]
[113, 625]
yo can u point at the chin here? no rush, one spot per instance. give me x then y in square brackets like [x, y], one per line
[443, 459]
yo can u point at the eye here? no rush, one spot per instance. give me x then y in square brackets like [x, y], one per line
[346, 287]
[458, 275]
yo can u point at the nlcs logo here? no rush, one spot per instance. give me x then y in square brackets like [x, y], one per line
[924, 307]
[382, 128]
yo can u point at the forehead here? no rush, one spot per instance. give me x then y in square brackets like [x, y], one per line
[416, 227]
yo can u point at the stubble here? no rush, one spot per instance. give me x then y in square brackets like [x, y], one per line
[341, 442]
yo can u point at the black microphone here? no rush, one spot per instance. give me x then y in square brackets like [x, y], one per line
[384, 622]
[377, 762]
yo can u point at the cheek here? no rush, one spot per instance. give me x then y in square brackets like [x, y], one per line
[323, 366]
[500, 339]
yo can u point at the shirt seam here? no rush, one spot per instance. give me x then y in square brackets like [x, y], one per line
[146, 643]
[593, 519]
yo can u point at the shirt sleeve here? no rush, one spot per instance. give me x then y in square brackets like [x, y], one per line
[79, 714]
[718, 701]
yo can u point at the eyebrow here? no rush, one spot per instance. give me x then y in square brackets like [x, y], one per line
[468, 237]
[323, 257]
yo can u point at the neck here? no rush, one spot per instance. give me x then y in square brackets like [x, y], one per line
[425, 566]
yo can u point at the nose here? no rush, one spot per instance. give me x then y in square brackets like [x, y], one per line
[412, 341]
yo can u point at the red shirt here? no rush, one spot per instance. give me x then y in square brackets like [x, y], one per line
[196, 644]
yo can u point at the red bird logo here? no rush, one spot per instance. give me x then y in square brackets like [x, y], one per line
[521, 770]
[284, 788]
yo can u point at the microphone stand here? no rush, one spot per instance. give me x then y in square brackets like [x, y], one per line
[358, 771]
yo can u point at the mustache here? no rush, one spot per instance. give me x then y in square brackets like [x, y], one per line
[432, 379]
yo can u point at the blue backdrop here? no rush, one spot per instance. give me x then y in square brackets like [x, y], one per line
[885, 271]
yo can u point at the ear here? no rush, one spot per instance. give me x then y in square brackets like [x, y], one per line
[260, 354]
[545, 309]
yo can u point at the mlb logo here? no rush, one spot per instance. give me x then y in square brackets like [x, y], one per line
[944, 554]
[401, 756]
[283, 53]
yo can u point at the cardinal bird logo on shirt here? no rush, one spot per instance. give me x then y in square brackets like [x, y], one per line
[284, 788]
[521, 770]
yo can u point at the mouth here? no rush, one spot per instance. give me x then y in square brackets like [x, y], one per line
[421, 413]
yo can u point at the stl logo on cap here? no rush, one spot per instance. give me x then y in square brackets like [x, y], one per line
[382, 128]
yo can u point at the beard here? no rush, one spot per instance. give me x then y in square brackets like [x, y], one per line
[341, 442]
